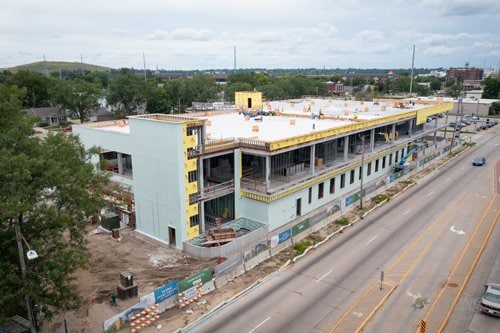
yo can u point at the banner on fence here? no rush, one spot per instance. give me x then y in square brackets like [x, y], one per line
[123, 317]
[258, 248]
[191, 281]
[281, 237]
[299, 227]
[166, 291]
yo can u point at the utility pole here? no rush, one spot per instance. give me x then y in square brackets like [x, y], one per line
[22, 263]
[144, 61]
[412, 65]
[234, 59]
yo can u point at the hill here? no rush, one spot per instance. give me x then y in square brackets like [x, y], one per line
[56, 66]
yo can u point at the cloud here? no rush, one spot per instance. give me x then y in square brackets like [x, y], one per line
[182, 34]
[463, 7]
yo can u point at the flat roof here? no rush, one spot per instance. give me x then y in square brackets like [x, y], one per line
[291, 118]
[298, 117]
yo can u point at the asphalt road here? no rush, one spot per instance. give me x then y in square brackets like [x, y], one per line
[416, 240]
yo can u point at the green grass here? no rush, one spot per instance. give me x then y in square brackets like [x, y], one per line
[55, 66]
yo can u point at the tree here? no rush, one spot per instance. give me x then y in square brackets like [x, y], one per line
[454, 88]
[159, 100]
[49, 189]
[36, 87]
[200, 88]
[491, 88]
[127, 92]
[436, 84]
[494, 109]
[79, 97]
[234, 87]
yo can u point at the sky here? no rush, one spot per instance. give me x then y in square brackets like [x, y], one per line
[203, 34]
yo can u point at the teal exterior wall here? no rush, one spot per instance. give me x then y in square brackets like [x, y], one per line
[159, 185]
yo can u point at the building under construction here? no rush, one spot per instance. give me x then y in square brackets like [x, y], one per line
[260, 168]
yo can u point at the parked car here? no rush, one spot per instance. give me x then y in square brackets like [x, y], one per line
[466, 121]
[479, 161]
[457, 124]
[490, 303]
[68, 128]
[440, 115]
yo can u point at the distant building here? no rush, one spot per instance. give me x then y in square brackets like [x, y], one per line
[465, 74]
[335, 88]
[49, 116]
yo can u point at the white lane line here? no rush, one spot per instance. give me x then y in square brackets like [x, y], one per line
[406, 213]
[373, 238]
[321, 278]
[262, 323]
[430, 193]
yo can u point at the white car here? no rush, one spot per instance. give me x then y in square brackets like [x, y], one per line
[490, 303]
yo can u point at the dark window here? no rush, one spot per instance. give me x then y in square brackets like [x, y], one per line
[369, 169]
[320, 190]
[360, 173]
[383, 162]
[397, 157]
[342, 180]
[390, 159]
[351, 178]
[194, 220]
[376, 166]
[298, 208]
[310, 195]
[332, 185]
[193, 198]
[192, 176]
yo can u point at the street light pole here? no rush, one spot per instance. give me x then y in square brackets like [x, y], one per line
[22, 263]
[362, 171]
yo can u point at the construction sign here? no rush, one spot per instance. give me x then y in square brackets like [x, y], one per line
[190, 288]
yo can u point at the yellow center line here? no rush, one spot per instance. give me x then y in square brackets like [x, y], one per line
[476, 259]
[424, 234]
[349, 310]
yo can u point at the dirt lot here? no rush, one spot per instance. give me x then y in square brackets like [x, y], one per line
[153, 265]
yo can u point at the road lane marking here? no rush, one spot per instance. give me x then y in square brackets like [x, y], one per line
[448, 179]
[371, 239]
[460, 232]
[471, 269]
[430, 193]
[321, 278]
[406, 213]
[262, 323]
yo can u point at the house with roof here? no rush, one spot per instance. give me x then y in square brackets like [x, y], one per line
[49, 116]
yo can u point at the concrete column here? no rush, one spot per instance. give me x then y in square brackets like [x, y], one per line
[237, 184]
[372, 140]
[410, 127]
[393, 133]
[346, 147]
[201, 180]
[201, 209]
[311, 162]
[268, 172]
[120, 163]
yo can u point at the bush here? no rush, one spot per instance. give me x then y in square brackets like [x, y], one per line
[300, 247]
[342, 221]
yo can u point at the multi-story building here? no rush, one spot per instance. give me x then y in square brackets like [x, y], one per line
[275, 163]
[465, 74]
